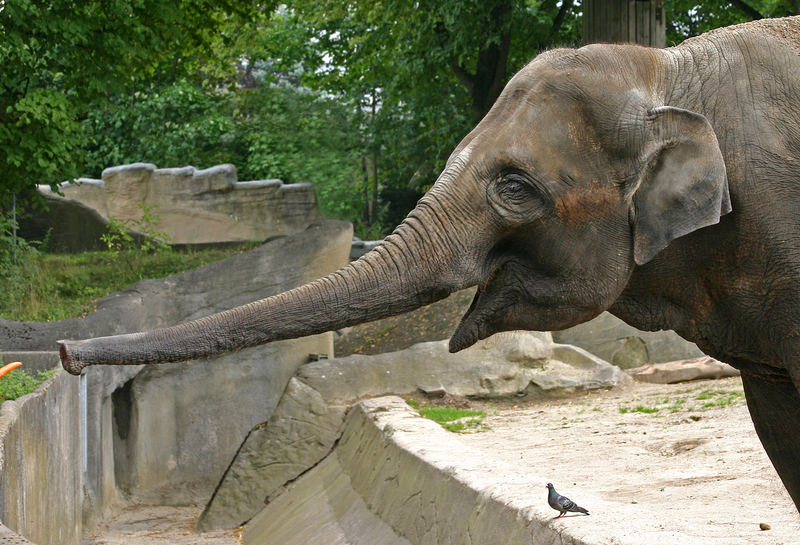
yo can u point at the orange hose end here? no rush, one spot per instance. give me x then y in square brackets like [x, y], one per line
[9, 367]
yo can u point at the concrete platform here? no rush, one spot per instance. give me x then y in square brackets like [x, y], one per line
[396, 479]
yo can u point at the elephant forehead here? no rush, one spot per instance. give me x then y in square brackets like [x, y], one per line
[584, 204]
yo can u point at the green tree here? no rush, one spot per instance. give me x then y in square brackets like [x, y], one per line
[299, 135]
[59, 56]
[170, 124]
[687, 18]
[419, 75]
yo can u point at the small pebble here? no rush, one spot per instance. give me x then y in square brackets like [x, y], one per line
[764, 526]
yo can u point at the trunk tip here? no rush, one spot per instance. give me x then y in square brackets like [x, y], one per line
[69, 360]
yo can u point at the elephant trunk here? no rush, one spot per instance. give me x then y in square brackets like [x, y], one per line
[413, 267]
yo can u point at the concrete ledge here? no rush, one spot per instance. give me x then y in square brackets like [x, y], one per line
[395, 478]
[395, 472]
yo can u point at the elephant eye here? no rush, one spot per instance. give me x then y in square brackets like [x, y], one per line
[516, 197]
[514, 188]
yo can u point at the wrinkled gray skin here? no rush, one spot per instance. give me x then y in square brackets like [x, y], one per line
[662, 185]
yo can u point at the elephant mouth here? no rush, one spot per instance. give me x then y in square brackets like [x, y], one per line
[514, 298]
[494, 300]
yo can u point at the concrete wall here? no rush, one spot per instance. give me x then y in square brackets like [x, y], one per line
[41, 463]
[198, 206]
[160, 434]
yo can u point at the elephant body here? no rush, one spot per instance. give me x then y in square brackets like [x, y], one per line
[660, 184]
[732, 288]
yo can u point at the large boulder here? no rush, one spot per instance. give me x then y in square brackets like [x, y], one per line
[197, 206]
[307, 422]
[610, 338]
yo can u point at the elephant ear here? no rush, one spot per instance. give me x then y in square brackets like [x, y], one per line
[683, 186]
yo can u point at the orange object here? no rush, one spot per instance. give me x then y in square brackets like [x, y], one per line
[10, 367]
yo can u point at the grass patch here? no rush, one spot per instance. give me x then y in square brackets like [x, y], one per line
[55, 287]
[639, 409]
[17, 383]
[451, 418]
[693, 399]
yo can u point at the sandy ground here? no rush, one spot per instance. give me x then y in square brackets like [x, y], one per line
[158, 525]
[685, 456]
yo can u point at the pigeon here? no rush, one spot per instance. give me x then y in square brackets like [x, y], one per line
[562, 504]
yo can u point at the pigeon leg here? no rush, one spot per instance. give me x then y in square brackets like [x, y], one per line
[774, 404]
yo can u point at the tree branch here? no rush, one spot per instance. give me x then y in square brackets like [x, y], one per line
[466, 79]
[749, 10]
[566, 5]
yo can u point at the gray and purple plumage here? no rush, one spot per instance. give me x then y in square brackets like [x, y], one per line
[562, 504]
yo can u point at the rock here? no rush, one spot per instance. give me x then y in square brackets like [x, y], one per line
[197, 206]
[68, 226]
[764, 526]
[683, 370]
[300, 433]
[505, 364]
[631, 352]
[609, 338]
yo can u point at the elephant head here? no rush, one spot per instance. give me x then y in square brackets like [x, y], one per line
[579, 173]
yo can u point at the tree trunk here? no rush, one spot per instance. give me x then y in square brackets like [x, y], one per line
[631, 21]
[487, 82]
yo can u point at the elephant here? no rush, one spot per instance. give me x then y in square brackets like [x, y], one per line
[662, 185]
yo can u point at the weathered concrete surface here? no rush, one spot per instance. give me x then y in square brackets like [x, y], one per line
[502, 365]
[158, 525]
[409, 482]
[34, 360]
[9, 537]
[300, 433]
[40, 464]
[198, 205]
[613, 340]
[428, 486]
[322, 508]
[68, 225]
[212, 404]
[307, 422]
[683, 370]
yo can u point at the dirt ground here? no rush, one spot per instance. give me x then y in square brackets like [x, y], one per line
[158, 525]
[685, 456]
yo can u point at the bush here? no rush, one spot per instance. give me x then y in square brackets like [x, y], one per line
[17, 383]
[17, 262]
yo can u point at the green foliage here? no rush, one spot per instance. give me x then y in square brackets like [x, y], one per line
[17, 258]
[127, 245]
[302, 136]
[61, 286]
[119, 235]
[687, 18]
[58, 57]
[417, 77]
[364, 99]
[168, 125]
[18, 382]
